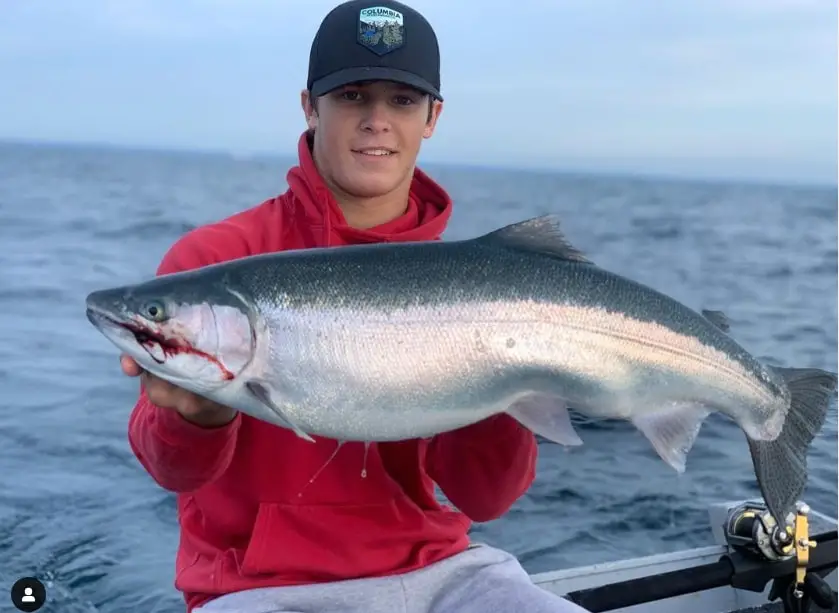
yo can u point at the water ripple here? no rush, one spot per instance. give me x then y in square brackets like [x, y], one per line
[75, 220]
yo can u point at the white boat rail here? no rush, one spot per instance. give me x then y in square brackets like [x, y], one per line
[754, 566]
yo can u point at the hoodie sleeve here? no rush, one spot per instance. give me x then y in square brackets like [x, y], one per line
[484, 468]
[179, 455]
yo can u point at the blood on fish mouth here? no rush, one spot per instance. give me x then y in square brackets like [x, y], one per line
[148, 339]
[170, 346]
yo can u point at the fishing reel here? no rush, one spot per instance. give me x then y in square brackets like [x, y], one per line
[750, 526]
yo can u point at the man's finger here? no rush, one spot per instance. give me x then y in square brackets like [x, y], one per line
[129, 366]
[157, 390]
[149, 381]
[161, 386]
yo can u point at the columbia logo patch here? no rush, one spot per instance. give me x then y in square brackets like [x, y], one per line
[381, 29]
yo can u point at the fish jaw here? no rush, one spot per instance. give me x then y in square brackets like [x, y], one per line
[118, 333]
[199, 347]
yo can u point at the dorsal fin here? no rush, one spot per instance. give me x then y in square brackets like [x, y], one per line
[539, 235]
[718, 318]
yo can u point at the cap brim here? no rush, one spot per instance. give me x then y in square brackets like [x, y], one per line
[372, 73]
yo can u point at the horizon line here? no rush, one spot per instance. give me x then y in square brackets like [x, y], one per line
[544, 169]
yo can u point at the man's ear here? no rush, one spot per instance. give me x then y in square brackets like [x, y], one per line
[309, 105]
[433, 115]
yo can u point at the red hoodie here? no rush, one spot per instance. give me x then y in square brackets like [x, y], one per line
[243, 523]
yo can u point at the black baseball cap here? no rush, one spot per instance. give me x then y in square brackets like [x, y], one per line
[365, 40]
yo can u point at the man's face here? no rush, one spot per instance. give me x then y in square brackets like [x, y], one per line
[368, 135]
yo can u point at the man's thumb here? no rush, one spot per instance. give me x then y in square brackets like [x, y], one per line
[129, 366]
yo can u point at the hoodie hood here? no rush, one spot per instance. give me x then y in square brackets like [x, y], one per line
[428, 213]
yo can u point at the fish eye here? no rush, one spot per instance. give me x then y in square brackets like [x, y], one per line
[154, 310]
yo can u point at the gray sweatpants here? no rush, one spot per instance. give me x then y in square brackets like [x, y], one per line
[481, 579]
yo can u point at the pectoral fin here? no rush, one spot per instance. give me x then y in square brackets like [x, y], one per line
[672, 431]
[546, 416]
[261, 390]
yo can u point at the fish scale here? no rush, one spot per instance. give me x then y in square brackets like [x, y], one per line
[381, 278]
[388, 342]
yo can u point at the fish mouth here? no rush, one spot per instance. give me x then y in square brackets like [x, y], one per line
[101, 318]
[157, 345]
[147, 338]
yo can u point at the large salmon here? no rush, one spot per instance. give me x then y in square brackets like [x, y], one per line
[396, 341]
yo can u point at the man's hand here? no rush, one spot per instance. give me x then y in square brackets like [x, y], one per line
[193, 408]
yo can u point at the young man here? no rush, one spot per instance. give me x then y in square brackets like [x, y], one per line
[258, 533]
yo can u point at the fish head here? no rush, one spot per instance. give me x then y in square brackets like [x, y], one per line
[196, 339]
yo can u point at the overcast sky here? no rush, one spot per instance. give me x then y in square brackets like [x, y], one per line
[735, 88]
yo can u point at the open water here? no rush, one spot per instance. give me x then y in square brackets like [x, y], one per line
[77, 510]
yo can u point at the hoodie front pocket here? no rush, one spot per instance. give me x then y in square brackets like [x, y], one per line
[306, 543]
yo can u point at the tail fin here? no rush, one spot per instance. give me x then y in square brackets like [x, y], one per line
[781, 465]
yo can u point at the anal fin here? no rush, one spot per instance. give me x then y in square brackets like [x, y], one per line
[546, 416]
[672, 430]
[262, 392]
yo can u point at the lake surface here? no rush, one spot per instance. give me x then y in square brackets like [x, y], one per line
[76, 508]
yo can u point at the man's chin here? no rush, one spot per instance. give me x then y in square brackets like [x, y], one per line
[372, 183]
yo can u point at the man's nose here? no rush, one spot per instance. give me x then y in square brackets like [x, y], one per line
[376, 117]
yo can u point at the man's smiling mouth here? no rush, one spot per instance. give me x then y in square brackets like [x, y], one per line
[375, 151]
